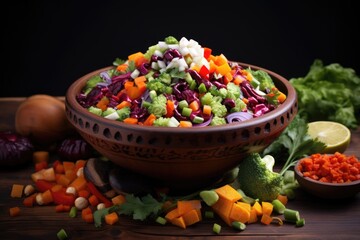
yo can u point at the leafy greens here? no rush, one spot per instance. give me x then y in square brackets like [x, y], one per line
[295, 142]
[330, 92]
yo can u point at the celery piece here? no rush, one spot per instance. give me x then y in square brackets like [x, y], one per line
[95, 110]
[291, 215]
[210, 197]
[186, 111]
[198, 119]
[161, 220]
[216, 228]
[300, 222]
[238, 225]
[279, 207]
[62, 235]
[289, 176]
[202, 88]
[73, 212]
[183, 104]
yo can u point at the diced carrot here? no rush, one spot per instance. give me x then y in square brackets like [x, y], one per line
[266, 219]
[123, 104]
[184, 123]
[85, 211]
[170, 108]
[282, 97]
[253, 216]
[138, 58]
[174, 213]
[207, 109]
[41, 165]
[194, 105]
[229, 193]
[179, 221]
[68, 165]
[56, 187]
[103, 103]
[239, 213]
[30, 200]
[119, 199]
[63, 180]
[140, 80]
[128, 85]
[47, 197]
[62, 208]
[122, 67]
[93, 200]
[17, 190]
[111, 218]
[14, 211]
[150, 120]
[131, 120]
[70, 174]
[191, 217]
[89, 218]
[188, 205]
[59, 168]
[79, 183]
[79, 164]
[223, 208]
[84, 193]
[49, 174]
[258, 208]
[267, 208]
[283, 199]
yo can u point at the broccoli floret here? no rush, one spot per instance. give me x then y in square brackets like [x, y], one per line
[218, 109]
[158, 86]
[171, 40]
[157, 106]
[264, 80]
[217, 121]
[233, 91]
[161, 122]
[239, 106]
[257, 178]
[206, 99]
[123, 113]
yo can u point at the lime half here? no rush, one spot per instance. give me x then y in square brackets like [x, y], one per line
[335, 135]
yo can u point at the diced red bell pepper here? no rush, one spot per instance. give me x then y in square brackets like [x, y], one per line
[43, 185]
[92, 188]
[61, 197]
[204, 72]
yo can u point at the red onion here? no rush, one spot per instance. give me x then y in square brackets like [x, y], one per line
[15, 149]
[238, 117]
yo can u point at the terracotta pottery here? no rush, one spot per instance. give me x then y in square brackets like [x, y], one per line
[183, 158]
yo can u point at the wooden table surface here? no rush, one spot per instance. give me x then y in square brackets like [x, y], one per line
[325, 219]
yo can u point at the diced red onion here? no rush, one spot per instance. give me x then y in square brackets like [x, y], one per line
[238, 117]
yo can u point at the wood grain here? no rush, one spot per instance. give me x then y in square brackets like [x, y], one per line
[325, 219]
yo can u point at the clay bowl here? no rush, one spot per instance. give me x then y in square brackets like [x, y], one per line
[327, 190]
[183, 158]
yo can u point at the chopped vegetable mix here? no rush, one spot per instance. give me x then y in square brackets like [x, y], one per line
[180, 84]
[336, 168]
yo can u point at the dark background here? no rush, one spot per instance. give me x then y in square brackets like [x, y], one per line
[49, 44]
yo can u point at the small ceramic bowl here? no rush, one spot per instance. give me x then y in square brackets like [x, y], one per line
[326, 190]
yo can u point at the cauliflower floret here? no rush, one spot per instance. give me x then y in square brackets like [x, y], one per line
[257, 178]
